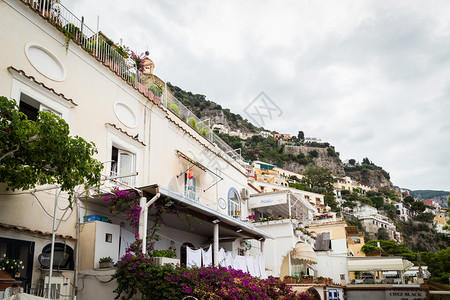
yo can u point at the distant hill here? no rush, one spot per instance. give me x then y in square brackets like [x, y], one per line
[439, 196]
[207, 109]
[295, 155]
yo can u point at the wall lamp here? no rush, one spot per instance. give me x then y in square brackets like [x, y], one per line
[261, 239]
[215, 221]
[239, 229]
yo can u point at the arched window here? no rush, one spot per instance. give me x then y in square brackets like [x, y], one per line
[63, 258]
[234, 203]
[183, 252]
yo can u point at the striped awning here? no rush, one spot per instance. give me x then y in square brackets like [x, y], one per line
[305, 252]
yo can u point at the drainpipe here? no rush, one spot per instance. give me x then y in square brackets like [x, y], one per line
[52, 253]
[77, 247]
[143, 219]
[216, 244]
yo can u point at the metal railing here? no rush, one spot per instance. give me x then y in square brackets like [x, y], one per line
[116, 59]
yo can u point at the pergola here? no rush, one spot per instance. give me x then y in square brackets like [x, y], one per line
[379, 264]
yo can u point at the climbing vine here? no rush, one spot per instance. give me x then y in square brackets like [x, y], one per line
[127, 202]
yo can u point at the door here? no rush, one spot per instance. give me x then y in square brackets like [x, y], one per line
[23, 250]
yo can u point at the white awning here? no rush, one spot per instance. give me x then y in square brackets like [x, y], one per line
[378, 264]
[267, 199]
[305, 252]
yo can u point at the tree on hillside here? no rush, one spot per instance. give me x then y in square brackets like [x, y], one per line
[352, 161]
[42, 152]
[378, 201]
[408, 200]
[319, 179]
[301, 136]
[418, 206]
[438, 264]
[366, 161]
[383, 234]
[425, 217]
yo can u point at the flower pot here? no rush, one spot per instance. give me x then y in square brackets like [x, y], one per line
[108, 264]
[5, 276]
[323, 281]
[307, 280]
[290, 280]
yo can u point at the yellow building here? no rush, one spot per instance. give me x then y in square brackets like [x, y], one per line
[441, 218]
[331, 249]
[355, 241]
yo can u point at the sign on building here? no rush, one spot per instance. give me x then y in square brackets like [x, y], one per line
[405, 294]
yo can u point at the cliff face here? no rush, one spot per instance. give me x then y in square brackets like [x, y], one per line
[373, 178]
[325, 158]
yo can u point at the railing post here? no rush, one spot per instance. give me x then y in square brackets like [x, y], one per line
[98, 21]
[43, 7]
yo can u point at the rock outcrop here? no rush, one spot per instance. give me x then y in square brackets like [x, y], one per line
[372, 178]
[323, 159]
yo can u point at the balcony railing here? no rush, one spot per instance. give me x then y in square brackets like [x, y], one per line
[117, 60]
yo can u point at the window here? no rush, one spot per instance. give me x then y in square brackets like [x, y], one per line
[31, 107]
[63, 256]
[32, 97]
[123, 163]
[23, 250]
[190, 185]
[234, 203]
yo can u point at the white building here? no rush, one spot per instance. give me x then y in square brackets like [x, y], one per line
[265, 134]
[331, 249]
[104, 99]
[403, 211]
[284, 215]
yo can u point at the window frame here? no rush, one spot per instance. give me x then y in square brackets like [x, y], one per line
[130, 181]
[47, 99]
[236, 204]
[190, 186]
[125, 144]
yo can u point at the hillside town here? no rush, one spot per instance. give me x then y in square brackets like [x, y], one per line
[172, 197]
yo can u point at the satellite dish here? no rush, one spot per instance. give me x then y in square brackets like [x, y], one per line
[44, 260]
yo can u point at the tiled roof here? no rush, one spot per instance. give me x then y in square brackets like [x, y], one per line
[61, 95]
[24, 229]
[124, 132]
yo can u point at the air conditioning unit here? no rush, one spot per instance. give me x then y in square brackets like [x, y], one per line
[60, 288]
[245, 194]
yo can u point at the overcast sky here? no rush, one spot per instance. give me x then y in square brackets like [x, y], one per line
[370, 77]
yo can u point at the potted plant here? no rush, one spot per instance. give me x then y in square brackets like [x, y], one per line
[307, 279]
[289, 279]
[324, 280]
[174, 108]
[106, 262]
[10, 267]
[164, 257]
